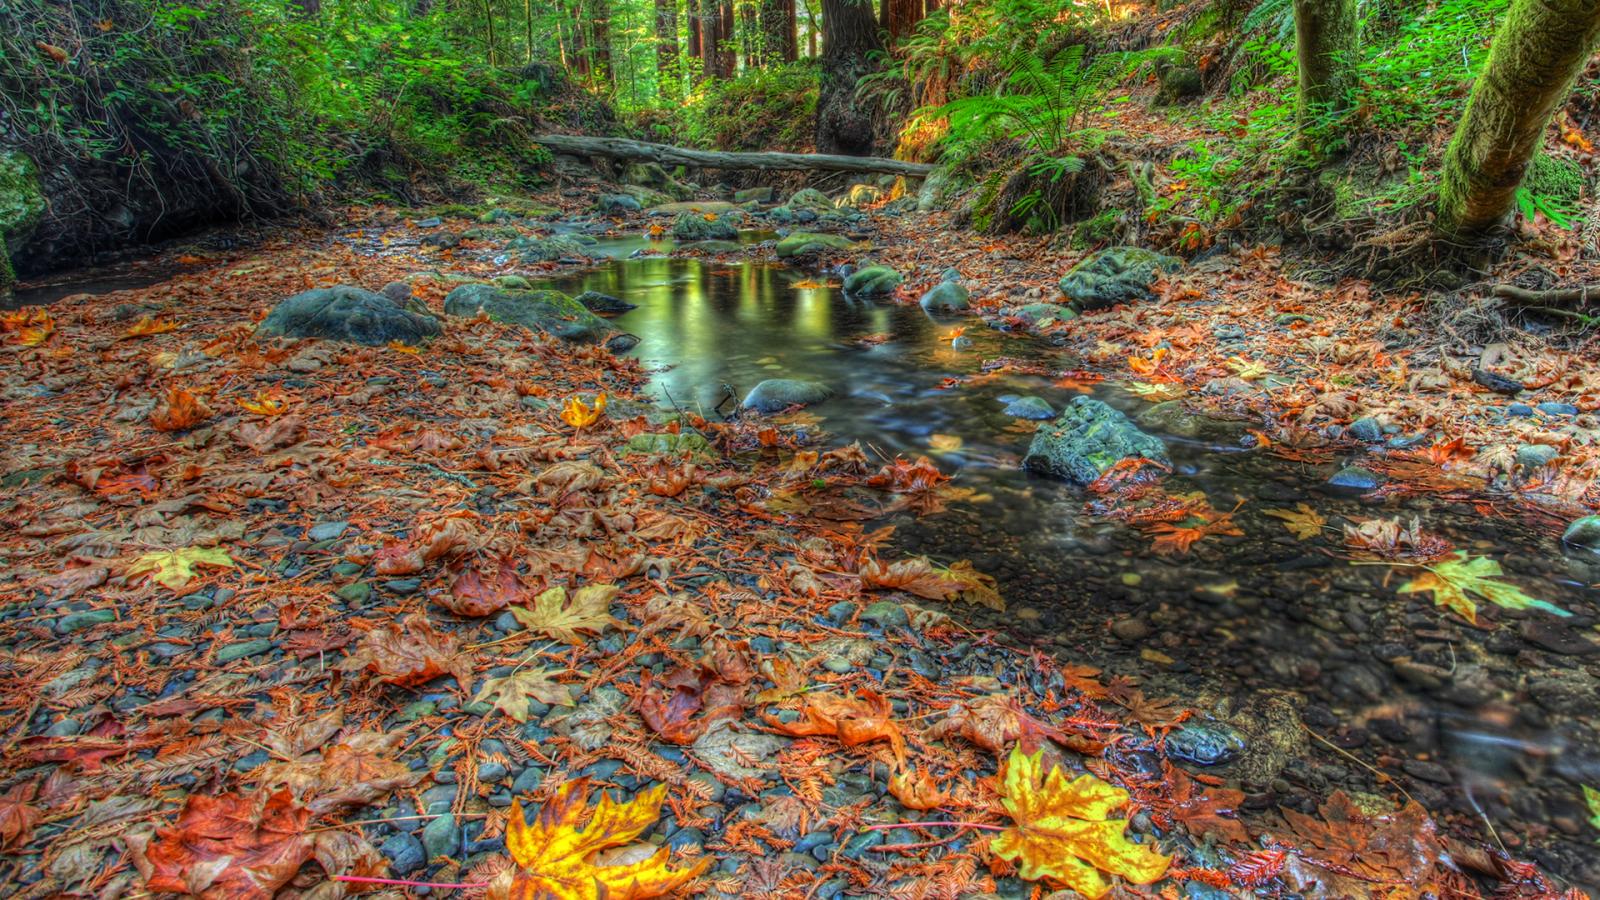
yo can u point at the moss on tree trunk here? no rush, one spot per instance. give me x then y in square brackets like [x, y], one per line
[1539, 49]
[1327, 37]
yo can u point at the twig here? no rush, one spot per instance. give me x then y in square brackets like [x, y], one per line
[1569, 296]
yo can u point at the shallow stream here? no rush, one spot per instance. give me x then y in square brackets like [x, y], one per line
[1292, 647]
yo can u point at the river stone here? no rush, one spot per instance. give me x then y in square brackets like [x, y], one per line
[652, 175]
[692, 227]
[596, 302]
[753, 195]
[778, 394]
[1030, 408]
[1205, 744]
[1115, 275]
[350, 314]
[931, 194]
[405, 854]
[946, 296]
[1354, 480]
[551, 249]
[872, 281]
[441, 837]
[1584, 532]
[886, 614]
[1088, 439]
[1041, 313]
[812, 199]
[542, 310]
[1534, 456]
[613, 204]
[807, 243]
[1366, 429]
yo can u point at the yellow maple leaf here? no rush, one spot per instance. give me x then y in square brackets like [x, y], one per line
[1303, 522]
[175, 568]
[552, 613]
[1061, 831]
[1143, 366]
[1460, 575]
[556, 859]
[581, 415]
[1247, 369]
[403, 347]
[263, 404]
[513, 692]
[149, 325]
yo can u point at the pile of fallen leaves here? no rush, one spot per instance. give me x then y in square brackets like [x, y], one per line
[235, 567]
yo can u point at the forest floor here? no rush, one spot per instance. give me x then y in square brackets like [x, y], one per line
[285, 610]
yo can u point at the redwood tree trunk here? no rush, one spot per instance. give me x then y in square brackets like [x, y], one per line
[778, 42]
[900, 17]
[1540, 48]
[1327, 35]
[849, 34]
[667, 84]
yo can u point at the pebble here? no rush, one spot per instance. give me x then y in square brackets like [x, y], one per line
[1354, 479]
[327, 531]
[1206, 744]
[405, 854]
[1130, 629]
[441, 837]
[1558, 409]
[243, 649]
[886, 614]
[1366, 429]
[80, 620]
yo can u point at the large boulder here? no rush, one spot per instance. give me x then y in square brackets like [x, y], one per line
[1115, 275]
[807, 243]
[947, 296]
[539, 310]
[812, 199]
[753, 195]
[617, 204]
[21, 206]
[553, 248]
[872, 281]
[778, 394]
[694, 227]
[1086, 440]
[931, 194]
[350, 314]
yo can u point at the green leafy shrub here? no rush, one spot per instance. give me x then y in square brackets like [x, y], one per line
[762, 109]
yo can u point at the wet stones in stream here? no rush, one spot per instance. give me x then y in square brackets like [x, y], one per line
[778, 394]
[539, 310]
[948, 296]
[802, 244]
[350, 314]
[691, 228]
[1087, 439]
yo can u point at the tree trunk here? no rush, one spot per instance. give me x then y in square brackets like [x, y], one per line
[600, 29]
[1540, 48]
[750, 35]
[778, 42]
[1327, 35]
[488, 21]
[306, 9]
[667, 85]
[725, 57]
[849, 34]
[900, 17]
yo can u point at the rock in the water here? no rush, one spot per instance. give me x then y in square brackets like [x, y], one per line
[1205, 744]
[613, 204]
[778, 394]
[1354, 479]
[872, 281]
[548, 311]
[351, 314]
[1115, 275]
[807, 243]
[812, 199]
[550, 249]
[1086, 440]
[1584, 532]
[1030, 408]
[886, 614]
[596, 302]
[753, 195]
[946, 296]
[693, 227]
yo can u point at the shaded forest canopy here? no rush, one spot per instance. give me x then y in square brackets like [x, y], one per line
[128, 121]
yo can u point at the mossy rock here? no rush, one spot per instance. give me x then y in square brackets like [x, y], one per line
[1088, 439]
[555, 247]
[350, 314]
[872, 281]
[692, 227]
[538, 310]
[1115, 275]
[808, 243]
[812, 199]
[686, 443]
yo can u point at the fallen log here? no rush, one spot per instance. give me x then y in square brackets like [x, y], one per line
[664, 154]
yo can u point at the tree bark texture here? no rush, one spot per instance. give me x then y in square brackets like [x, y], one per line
[1327, 36]
[849, 35]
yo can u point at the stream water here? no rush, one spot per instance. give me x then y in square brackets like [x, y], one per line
[1262, 632]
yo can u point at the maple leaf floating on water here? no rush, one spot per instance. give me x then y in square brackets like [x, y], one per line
[1303, 522]
[1452, 580]
[1062, 832]
[230, 846]
[1158, 392]
[557, 858]
[175, 568]
[580, 415]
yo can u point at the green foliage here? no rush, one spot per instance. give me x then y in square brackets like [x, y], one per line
[762, 109]
[1552, 188]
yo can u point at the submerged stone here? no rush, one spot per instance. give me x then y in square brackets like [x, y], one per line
[350, 314]
[696, 227]
[1030, 408]
[1088, 439]
[540, 310]
[946, 296]
[1354, 479]
[553, 248]
[778, 394]
[596, 302]
[1584, 532]
[1115, 275]
[1205, 744]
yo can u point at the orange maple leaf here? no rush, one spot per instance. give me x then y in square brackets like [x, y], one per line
[581, 415]
[180, 411]
[233, 846]
[557, 858]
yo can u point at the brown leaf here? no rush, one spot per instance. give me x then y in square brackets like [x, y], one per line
[853, 720]
[18, 815]
[409, 654]
[470, 595]
[272, 434]
[229, 847]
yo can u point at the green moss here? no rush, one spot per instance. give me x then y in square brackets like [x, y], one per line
[21, 203]
[1095, 230]
[983, 209]
[8, 275]
[1555, 178]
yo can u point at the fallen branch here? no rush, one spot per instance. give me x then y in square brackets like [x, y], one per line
[664, 154]
[1572, 296]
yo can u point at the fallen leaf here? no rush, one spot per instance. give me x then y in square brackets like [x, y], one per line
[553, 614]
[228, 847]
[1303, 522]
[557, 858]
[409, 654]
[18, 815]
[176, 568]
[513, 692]
[179, 411]
[917, 790]
[1061, 831]
[853, 720]
[581, 415]
[1452, 580]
